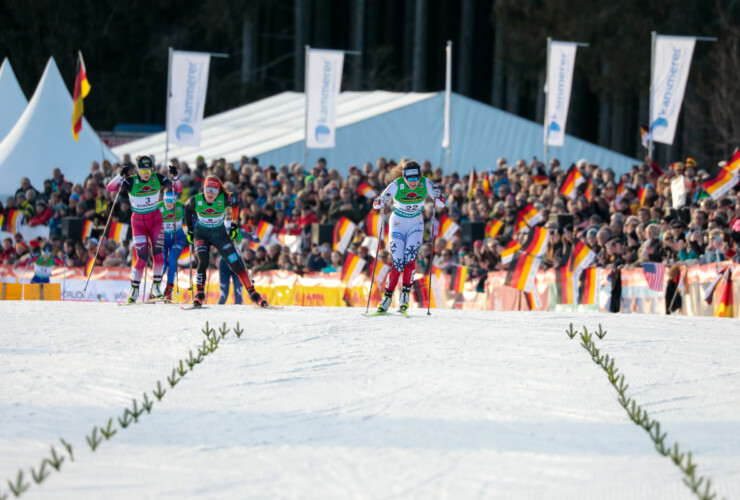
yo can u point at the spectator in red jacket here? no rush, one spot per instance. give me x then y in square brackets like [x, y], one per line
[7, 256]
[43, 215]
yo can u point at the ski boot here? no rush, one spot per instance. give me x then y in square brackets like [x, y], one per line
[404, 299]
[386, 302]
[168, 291]
[133, 295]
[257, 298]
[155, 293]
[199, 298]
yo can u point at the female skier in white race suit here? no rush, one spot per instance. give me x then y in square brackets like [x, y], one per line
[409, 191]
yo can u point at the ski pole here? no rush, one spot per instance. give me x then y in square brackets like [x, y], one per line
[105, 234]
[431, 259]
[375, 261]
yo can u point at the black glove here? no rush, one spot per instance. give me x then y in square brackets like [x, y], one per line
[234, 230]
[173, 171]
[126, 169]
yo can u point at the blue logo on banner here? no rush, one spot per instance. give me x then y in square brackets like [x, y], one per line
[554, 127]
[322, 133]
[659, 122]
[182, 130]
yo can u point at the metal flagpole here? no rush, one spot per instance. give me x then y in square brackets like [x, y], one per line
[305, 117]
[448, 98]
[167, 108]
[547, 100]
[650, 95]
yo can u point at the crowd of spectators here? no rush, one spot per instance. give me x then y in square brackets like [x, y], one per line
[623, 230]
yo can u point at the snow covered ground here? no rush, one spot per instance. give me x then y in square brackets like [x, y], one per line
[323, 403]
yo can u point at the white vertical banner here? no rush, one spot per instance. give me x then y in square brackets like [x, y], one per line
[672, 61]
[322, 91]
[448, 92]
[559, 83]
[187, 96]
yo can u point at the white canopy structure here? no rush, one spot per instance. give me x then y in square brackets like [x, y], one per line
[42, 139]
[12, 100]
[373, 124]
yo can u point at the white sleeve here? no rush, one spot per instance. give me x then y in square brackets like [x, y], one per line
[432, 191]
[389, 192]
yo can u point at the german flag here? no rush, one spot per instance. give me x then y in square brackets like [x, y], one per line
[590, 286]
[589, 192]
[485, 184]
[721, 184]
[724, 308]
[263, 231]
[89, 266]
[472, 184]
[117, 232]
[531, 216]
[642, 196]
[541, 180]
[536, 244]
[582, 257]
[372, 224]
[734, 165]
[457, 278]
[82, 88]
[447, 228]
[10, 221]
[365, 190]
[522, 272]
[508, 253]
[184, 258]
[353, 265]
[564, 285]
[493, 227]
[571, 183]
[343, 232]
[87, 227]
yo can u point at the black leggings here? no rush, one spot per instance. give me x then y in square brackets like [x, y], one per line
[219, 238]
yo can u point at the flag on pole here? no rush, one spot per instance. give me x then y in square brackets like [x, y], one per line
[561, 59]
[654, 274]
[571, 183]
[724, 309]
[734, 165]
[372, 224]
[89, 266]
[522, 272]
[485, 183]
[381, 271]
[457, 278]
[187, 96]
[564, 285]
[448, 92]
[531, 216]
[493, 227]
[87, 227]
[184, 258]
[322, 91]
[642, 196]
[447, 228]
[508, 253]
[591, 286]
[10, 221]
[582, 257]
[263, 231]
[536, 244]
[472, 184]
[82, 88]
[670, 72]
[365, 190]
[353, 266]
[343, 232]
[589, 192]
[541, 180]
[721, 184]
[118, 231]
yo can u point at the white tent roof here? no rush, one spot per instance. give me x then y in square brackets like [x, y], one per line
[12, 100]
[373, 124]
[42, 138]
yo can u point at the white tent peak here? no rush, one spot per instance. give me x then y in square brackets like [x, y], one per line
[42, 138]
[12, 100]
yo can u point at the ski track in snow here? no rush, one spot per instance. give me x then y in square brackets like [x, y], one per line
[323, 403]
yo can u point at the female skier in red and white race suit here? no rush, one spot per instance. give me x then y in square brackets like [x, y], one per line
[143, 188]
[408, 191]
